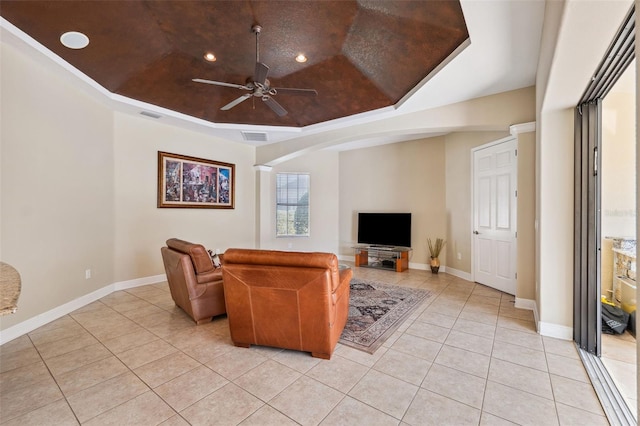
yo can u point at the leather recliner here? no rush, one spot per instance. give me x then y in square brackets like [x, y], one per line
[195, 283]
[287, 300]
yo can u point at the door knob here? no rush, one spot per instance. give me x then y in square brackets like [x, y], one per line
[476, 232]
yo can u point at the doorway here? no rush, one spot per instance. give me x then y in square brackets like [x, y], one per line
[495, 171]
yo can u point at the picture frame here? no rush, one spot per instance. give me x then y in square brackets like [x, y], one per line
[190, 182]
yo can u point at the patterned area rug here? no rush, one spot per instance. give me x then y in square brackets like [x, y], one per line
[376, 311]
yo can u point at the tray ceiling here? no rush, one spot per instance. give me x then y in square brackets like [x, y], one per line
[362, 55]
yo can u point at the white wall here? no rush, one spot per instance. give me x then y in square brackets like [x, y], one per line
[57, 186]
[141, 228]
[324, 179]
[401, 177]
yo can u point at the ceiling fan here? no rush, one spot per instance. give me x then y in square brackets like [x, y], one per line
[260, 87]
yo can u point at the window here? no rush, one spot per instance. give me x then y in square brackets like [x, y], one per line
[292, 205]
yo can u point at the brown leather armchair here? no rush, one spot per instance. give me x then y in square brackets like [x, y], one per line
[287, 300]
[195, 284]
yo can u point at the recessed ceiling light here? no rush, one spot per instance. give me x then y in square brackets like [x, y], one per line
[74, 40]
[301, 58]
[209, 56]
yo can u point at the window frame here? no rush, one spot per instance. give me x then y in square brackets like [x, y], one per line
[297, 205]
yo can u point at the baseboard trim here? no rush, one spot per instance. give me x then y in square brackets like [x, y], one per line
[531, 305]
[458, 273]
[554, 330]
[44, 318]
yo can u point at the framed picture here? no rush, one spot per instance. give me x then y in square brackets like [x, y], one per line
[195, 182]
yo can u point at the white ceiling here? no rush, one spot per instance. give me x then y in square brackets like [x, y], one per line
[503, 55]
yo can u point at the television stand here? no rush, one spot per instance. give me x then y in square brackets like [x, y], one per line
[383, 257]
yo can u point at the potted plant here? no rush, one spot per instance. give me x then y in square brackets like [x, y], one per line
[434, 250]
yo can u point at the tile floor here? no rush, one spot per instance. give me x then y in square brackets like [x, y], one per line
[467, 357]
[619, 355]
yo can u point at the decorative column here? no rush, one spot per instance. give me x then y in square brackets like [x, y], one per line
[264, 205]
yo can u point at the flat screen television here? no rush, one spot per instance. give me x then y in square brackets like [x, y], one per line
[385, 229]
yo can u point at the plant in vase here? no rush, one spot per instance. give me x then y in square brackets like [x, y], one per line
[434, 250]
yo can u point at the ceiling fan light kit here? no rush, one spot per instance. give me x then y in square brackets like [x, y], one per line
[260, 86]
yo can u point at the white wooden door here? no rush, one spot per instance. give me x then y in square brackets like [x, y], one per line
[495, 172]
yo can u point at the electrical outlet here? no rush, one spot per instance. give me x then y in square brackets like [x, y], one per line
[87, 273]
[459, 256]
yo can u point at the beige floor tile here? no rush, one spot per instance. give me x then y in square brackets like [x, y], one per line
[435, 318]
[104, 396]
[384, 392]
[267, 380]
[70, 329]
[131, 305]
[528, 340]
[523, 314]
[560, 347]
[147, 408]
[476, 328]
[57, 413]
[490, 319]
[20, 401]
[359, 356]
[463, 360]
[129, 341]
[523, 378]
[144, 354]
[567, 367]
[22, 377]
[114, 329]
[17, 344]
[517, 324]
[191, 336]
[430, 408]
[487, 419]
[90, 375]
[18, 358]
[176, 420]
[444, 308]
[190, 387]
[482, 290]
[519, 355]
[165, 369]
[231, 405]
[403, 366]
[144, 312]
[417, 346]
[299, 361]
[428, 331]
[268, 416]
[296, 401]
[454, 384]
[480, 308]
[236, 362]
[574, 416]
[206, 353]
[469, 342]
[65, 345]
[73, 360]
[575, 394]
[350, 411]
[339, 373]
[518, 406]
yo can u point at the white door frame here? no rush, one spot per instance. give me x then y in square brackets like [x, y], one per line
[472, 183]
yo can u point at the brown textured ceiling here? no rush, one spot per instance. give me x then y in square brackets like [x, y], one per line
[363, 55]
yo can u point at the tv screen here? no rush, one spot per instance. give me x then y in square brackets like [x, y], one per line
[385, 229]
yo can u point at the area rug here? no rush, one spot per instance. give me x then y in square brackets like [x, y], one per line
[376, 310]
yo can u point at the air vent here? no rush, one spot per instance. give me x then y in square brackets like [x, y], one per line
[254, 136]
[150, 114]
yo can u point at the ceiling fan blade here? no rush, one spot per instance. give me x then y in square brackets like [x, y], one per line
[221, 83]
[236, 102]
[261, 73]
[275, 106]
[292, 91]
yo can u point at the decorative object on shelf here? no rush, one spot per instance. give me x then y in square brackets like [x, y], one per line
[195, 182]
[434, 250]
